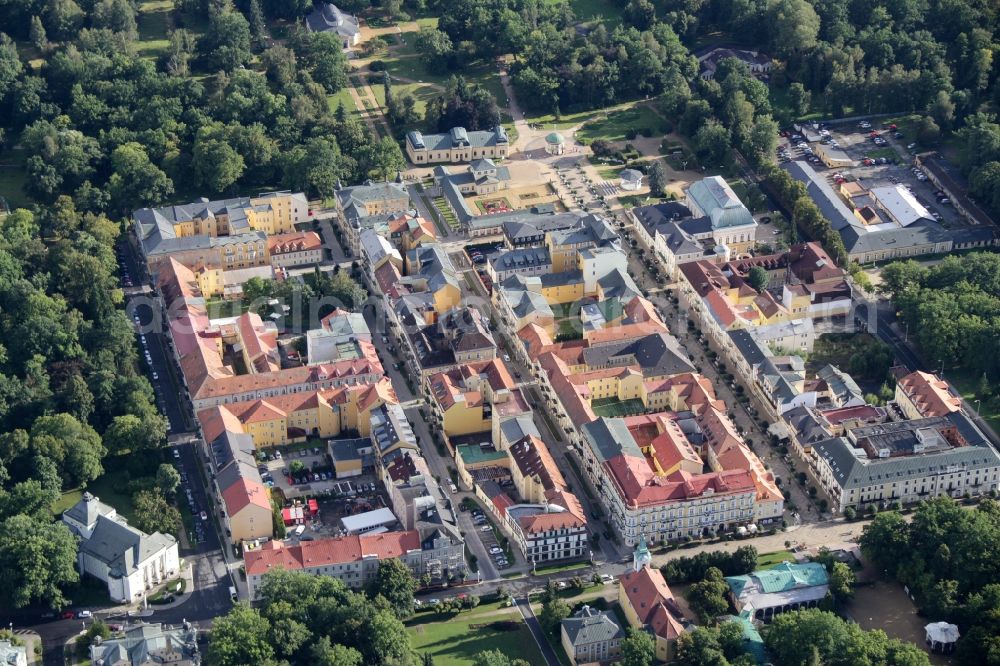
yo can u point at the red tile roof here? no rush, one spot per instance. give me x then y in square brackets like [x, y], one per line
[650, 597]
[929, 394]
[326, 552]
[244, 493]
[298, 241]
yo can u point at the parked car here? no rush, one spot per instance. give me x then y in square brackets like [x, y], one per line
[486, 528]
[204, 516]
[83, 614]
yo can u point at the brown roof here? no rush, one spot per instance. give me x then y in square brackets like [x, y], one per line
[929, 394]
[650, 597]
[298, 241]
[325, 552]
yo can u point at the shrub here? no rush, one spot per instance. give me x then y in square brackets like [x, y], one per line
[376, 66]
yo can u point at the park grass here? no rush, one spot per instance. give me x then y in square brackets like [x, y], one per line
[422, 93]
[104, 487]
[966, 382]
[616, 124]
[454, 640]
[153, 21]
[613, 407]
[342, 96]
[771, 560]
[597, 11]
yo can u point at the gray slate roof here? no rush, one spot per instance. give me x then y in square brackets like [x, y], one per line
[853, 469]
[122, 547]
[88, 510]
[589, 626]
[609, 438]
[748, 346]
[657, 354]
[519, 427]
[327, 17]
[456, 137]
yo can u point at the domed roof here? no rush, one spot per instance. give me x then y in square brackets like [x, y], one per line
[555, 137]
[631, 174]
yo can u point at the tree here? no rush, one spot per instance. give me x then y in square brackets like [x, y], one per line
[226, 43]
[388, 158]
[117, 16]
[322, 55]
[885, 541]
[711, 143]
[435, 49]
[38, 559]
[758, 278]
[640, 13]
[348, 292]
[701, 648]
[554, 611]
[239, 638]
[794, 26]
[129, 433]
[39, 39]
[154, 514]
[167, 479]
[657, 177]
[799, 98]
[842, 581]
[63, 19]
[217, 165]
[386, 640]
[74, 447]
[928, 131]
[707, 598]
[325, 653]
[637, 648]
[135, 181]
[396, 584]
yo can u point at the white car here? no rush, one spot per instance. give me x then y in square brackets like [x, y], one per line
[486, 528]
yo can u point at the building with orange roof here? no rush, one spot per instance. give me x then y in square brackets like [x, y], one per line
[298, 248]
[648, 605]
[207, 351]
[248, 510]
[353, 559]
[474, 397]
[644, 501]
[921, 394]
[803, 283]
[289, 418]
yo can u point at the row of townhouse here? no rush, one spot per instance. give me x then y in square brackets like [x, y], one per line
[625, 357]
[228, 234]
[204, 350]
[450, 348]
[921, 445]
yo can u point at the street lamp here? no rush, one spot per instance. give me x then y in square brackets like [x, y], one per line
[977, 401]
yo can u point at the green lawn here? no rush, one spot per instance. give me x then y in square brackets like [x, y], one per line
[617, 123]
[422, 93]
[453, 640]
[771, 560]
[966, 383]
[153, 21]
[343, 96]
[103, 487]
[597, 11]
[12, 179]
[613, 407]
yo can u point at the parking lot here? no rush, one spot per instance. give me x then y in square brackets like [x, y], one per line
[883, 158]
[488, 535]
[298, 473]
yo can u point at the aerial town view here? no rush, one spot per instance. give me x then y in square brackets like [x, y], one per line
[499, 332]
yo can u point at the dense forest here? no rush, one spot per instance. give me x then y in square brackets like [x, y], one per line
[222, 112]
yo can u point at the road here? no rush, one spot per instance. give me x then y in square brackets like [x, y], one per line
[524, 606]
[439, 465]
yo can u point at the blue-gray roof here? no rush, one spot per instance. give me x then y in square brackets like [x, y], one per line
[458, 136]
[609, 438]
[590, 626]
[327, 17]
[748, 346]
